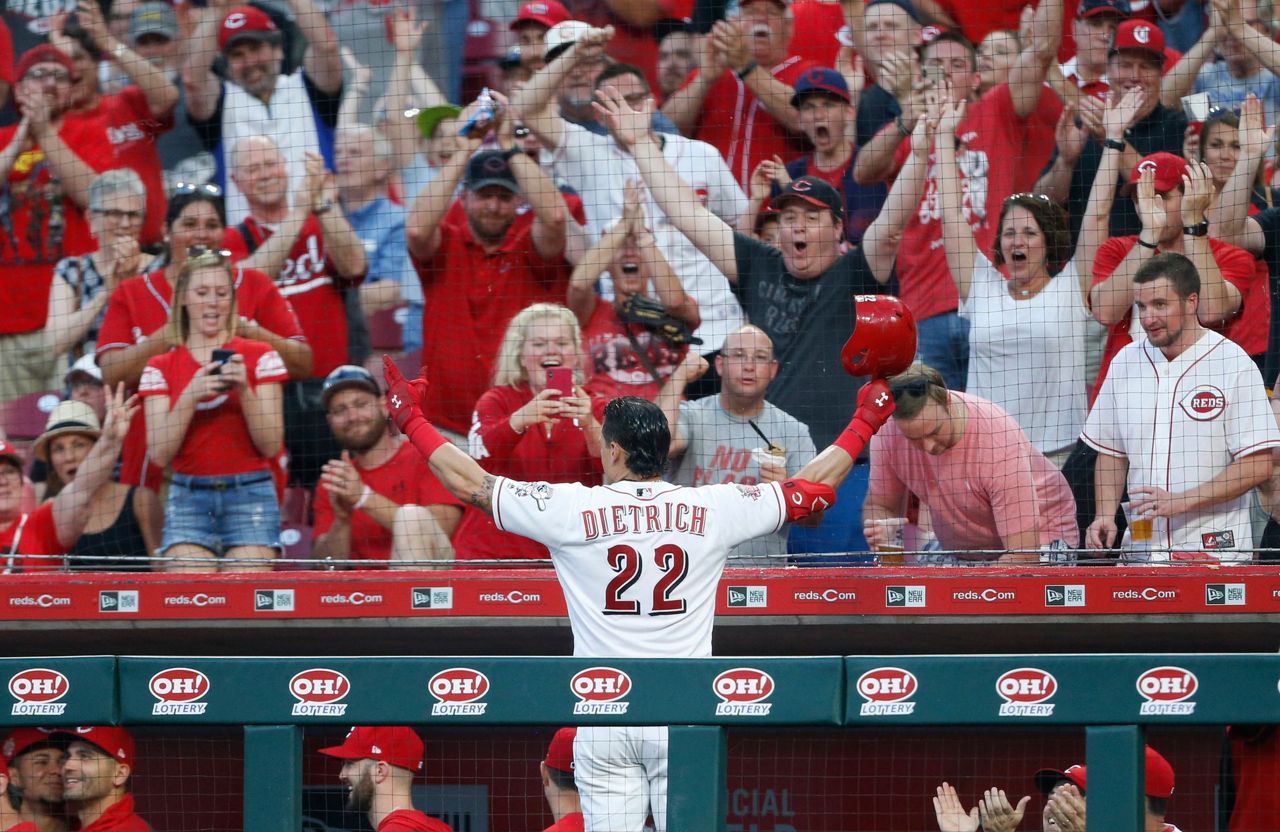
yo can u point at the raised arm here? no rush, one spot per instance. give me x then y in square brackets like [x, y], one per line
[898, 75]
[341, 244]
[422, 222]
[71, 506]
[323, 60]
[684, 105]
[1039, 52]
[582, 296]
[550, 216]
[72, 171]
[534, 101]
[1181, 77]
[1229, 219]
[1219, 300]
[881, 240]
[875, 406]
[692, 368]
[202, 86]
[1095, 226]
[1259, 43]
[406, 76]
[1111, 299]
[161, 93]
[957, 237]
[731, 40]
[708, 233]
[270, 257]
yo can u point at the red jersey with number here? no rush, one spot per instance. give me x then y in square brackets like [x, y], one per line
[737, 124]
[218, 440]
[131, 132]
[140, 306]
[411, 820]
[119, 817]
[405, 479]
[470, 296]
[31, 534]
[311, 283]
[998, 154]
[1248, 327]
[40, 224]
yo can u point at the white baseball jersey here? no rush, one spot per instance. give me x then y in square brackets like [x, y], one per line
[639, 562]
[1180, 423]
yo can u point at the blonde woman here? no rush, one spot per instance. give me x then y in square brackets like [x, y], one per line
[527, 430]
[214, 415]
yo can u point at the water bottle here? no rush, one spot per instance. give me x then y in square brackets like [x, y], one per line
[482, 117]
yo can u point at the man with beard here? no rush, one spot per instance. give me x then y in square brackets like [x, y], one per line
[10, 820]
[379, 763]
[379, 501]
[480, 269]
[34, 758]
[96, 777]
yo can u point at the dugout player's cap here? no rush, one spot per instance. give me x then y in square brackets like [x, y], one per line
[1167, 168]
[1097, 8]
[348, 375]
[9, 454]
[560, 37]
[22, 740]
[815, 192]
[820, 80]
[246, 23]
[1159, 777]
[883, 342]
[110, 740]
[545, 12]
[560, 751]
[394, 745]
[1140, 36]
[44, 54]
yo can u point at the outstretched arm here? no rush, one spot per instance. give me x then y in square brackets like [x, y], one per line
[71, 506]
[875, 406]
[880, 242]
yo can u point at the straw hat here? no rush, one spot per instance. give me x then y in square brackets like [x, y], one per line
[67, 417]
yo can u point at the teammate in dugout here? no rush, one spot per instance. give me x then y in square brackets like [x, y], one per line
[558, 783]
[378, 767]
[639, 559]
[32, 761]
[95, 778]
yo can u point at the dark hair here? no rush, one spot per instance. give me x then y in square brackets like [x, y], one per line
[179, 202]
[616, 70]
[640, 429]
[953, 37]
[1158, 806]
[1179, 270]
[563, 779]
[1216, 117]
[1052, 220]
[915, 386]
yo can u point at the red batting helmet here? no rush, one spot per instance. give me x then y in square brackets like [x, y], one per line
[883, 342]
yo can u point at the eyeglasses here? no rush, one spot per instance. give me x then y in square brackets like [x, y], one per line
[520, 131]
[8, 472]
[914, 387]
[206, 188]
[58, 76]
[116, 215]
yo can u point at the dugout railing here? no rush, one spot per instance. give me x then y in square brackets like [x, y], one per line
[1114, 697]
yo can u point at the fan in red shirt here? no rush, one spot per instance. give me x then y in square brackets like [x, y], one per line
[214, 412]
[378, 765]
[526, 430]
[36, 541]
[96, 776]
[131, 120]
[558, 783]
[741, 103]
[478, 273]
[1172, 197]
[380, 501]
[140, 307]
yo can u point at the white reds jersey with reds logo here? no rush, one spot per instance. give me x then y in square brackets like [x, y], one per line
[639, 562]
[1180, 423]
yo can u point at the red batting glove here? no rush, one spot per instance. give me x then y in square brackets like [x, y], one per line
[875, 406]
[804, 498]
[403, 397]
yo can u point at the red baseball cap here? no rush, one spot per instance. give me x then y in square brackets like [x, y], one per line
[22, 740]
[44, 54]
[545, 12]
[1167, 167]
[246, 22]
[113, 741]
[396, 745]
[1141, 35]
[10, 453]
[560, 752]
[1159, 776]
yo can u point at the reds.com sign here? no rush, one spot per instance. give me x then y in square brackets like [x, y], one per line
[36, 692]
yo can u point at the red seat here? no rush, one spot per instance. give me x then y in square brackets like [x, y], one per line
[385, 332]
[25, 417]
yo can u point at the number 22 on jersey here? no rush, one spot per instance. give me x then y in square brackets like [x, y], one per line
[669, 559]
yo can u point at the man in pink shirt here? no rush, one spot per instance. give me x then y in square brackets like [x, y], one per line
[991, 495]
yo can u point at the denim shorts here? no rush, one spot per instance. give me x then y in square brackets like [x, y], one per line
[220, 512]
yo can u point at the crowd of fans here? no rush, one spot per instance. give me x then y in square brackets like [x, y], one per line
[213, 217]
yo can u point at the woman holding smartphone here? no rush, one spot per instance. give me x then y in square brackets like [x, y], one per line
[535, 424]
[215, 416]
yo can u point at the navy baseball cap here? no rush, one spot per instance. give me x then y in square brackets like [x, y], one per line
[1093, 8]
[488, 167]
[823, 81]
[348, 375]
[905, 5]
[814, 191]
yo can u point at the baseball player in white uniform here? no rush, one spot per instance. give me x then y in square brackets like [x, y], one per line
[1183, 416]
[639, 559]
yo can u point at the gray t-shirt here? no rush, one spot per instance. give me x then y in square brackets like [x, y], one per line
[719, 451]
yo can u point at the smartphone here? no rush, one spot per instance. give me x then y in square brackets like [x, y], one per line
[222, 356]
[934, 74]
[560, 378]
[1196, 106]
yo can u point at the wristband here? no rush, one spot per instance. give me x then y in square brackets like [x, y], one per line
[364, 497]
[1145, 244]
[117, 52]
[1200, 229]
[424, 436]
[1113, 144]
[854, 438]
[902, 127]
[323, 208]
[507, 154]
[747, 70]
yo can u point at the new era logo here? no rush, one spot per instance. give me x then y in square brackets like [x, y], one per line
[748, 596]
[1064, 595]
[432, 598]
[904, 596]
[273, 600]
[1224, 595]
[119, 601]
